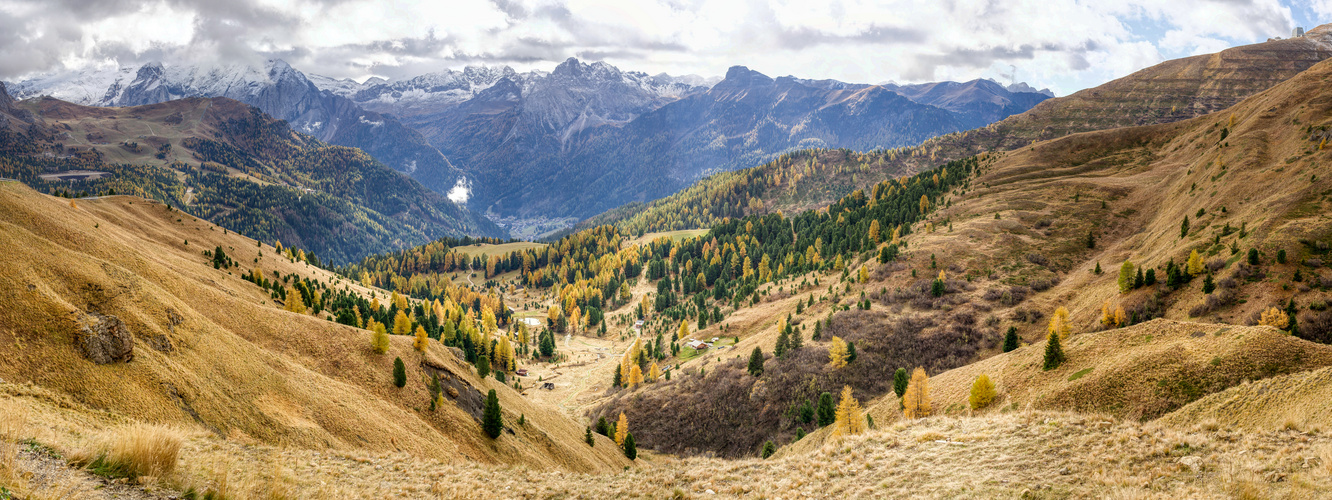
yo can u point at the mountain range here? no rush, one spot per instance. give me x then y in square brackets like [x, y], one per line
[585, 138]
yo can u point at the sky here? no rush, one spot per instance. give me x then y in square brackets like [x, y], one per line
[1065, 45]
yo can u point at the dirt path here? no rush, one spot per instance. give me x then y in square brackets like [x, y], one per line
[48, 476]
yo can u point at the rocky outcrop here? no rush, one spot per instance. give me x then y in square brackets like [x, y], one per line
[104, 339]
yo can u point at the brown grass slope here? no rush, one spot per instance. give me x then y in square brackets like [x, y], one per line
[1295, 401]
[213, 350]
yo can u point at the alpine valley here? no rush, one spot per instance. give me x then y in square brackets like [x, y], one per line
[234, 283]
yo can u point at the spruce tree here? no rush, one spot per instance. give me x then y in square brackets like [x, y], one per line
[794, 342]
[1253, 257]
[900, 380]
[850, 352]
[768, 449]
[1150, 277]
[483, 366]
[827, 411]
[1010, 341]
[1208, 285]
[1139, 280]
[587, 437]
[1184, 228]
[602, 427]
[619, 377]
[756, 362]
[818, 328]
[779, 350]
[399, 373]
[1054, 352]
[492, 420]
[630, 449]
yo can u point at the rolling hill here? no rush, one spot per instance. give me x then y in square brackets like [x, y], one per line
[228, 162]
[111, 313]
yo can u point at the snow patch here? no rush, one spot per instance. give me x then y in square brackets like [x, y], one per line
[410, 167]
[370, 123]
[461, 191]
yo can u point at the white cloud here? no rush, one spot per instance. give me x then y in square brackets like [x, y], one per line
[1065, 44]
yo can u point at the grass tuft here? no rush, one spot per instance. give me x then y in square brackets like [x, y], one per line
[137, 451]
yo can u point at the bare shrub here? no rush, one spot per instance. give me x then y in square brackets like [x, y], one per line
[1315, 263]
[886, 270]
[1038, 259]
[1228, 283]
[1325, 281]
[1316, 325]
[1145, 308]
[1244, 271]
[1042, 284]
[1222, 298]
[993, 294]
[1216, 264]
[1043, 223]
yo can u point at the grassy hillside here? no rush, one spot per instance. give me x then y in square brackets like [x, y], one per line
[216, 353]
[227, 162]
[1298, 401]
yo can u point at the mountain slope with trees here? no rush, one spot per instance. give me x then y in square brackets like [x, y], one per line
[230, 163]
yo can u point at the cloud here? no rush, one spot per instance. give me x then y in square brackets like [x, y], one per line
[1064, 44]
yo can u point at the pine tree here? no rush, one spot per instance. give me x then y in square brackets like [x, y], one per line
[916, 401]
[1195, 265]
[1125, 277]
[1091, 243]
[492, 419]
[619, 379]
[826, 411]
[621, 429]
[818, 328]
[483, 366]
[379, 339]
[602, 427]
[849, 418]
[1253, 257]
[1208, 285]
[982, 392]
[1150, 277]
[1010, 341]
[837, 353]
[768, 449]
[850, 352]
[794, 342]
[1054, 352]
[1184, 228]
[630, 449]
[900, 380]
[1097, 271]
[587, 437]
[399, 373]
[422, 340]
[756, 362]
[1139, 280]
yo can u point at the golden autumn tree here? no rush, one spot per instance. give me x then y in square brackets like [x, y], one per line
[1195, 265]
[982, 392]
[849, 418]
[916, 399]
[294, 302]
[1275, 317]
[874, 231]
[402, 325]
[654, 373]
[621, 429]
[422, 340]
[635, 376]
[684, 329]
[379, 338]
[837, 352]
[1059, 323]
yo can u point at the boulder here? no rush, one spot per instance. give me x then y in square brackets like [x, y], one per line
[104, 339]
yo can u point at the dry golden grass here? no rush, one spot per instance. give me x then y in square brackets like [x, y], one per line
[1298, 401]
[135, 451]
[239, 365]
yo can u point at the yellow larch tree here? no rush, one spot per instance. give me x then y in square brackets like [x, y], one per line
[654, 373]
[621, 429]
[294, 302]
[849, 418]
[982, 392]
[1195, 265]
[635, 376]
[402, 325]
[1059, 323]
[916, 399]
[422, 340]
[837, 352]
[1275, 317]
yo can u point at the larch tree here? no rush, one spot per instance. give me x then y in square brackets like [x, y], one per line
[1126, 277]
[684, 329]
[635, 376]
[654, 373]
[982, 392]
[402, 325]
[621, 429]
[295, 303]
[916, 402]
[1275, 317]
[1195, 265]
[379, 339]
[837, 352]
[1059, 323]
[874, 231]
[422, 340]
[850, 418]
